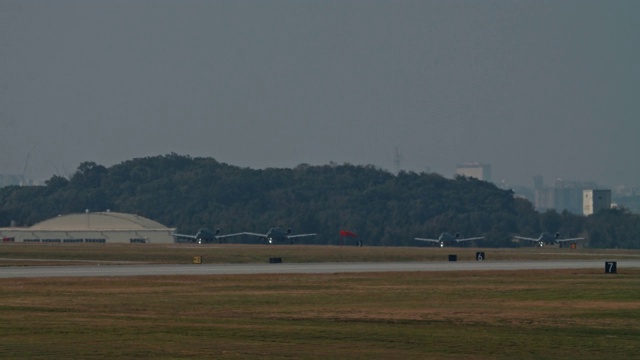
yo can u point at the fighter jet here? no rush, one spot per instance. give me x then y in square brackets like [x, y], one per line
[547, 239]
[204, 236]
[277, 234]
[448, 239]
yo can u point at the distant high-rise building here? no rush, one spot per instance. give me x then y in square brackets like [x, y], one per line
[564, 195]
[475, 170]
[11, 179]
[538, 182]
[594, 200]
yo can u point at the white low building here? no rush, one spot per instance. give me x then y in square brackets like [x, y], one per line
[91, 227]
[594, 200]
[475, 170]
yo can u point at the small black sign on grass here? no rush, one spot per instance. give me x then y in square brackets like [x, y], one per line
[453, 257]
[610, 267]
[275, 260]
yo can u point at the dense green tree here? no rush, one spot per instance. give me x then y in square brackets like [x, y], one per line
[383, 208]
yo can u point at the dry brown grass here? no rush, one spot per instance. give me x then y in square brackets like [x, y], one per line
[446, 315]
[70, 254]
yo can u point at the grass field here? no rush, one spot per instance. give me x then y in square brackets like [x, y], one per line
[581, 314]
[67, 254]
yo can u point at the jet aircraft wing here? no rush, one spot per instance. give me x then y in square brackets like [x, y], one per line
[184, 235]
[228, 235]
[526, 238]
[470, 239]
[429, 240]
[299, 235]
[253, 234]
[571, 239]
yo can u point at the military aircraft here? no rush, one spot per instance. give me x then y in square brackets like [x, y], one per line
[449, 239]
[204, 236]
[277, 234]
[547, 239]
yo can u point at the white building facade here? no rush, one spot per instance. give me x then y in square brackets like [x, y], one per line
[475, 170]
[97, 227]
[594, 200]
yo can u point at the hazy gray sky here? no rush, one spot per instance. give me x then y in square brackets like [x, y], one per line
[530, 87]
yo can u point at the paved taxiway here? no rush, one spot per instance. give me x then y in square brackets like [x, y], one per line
[298, 268]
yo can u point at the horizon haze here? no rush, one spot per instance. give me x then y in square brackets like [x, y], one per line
[530, 87]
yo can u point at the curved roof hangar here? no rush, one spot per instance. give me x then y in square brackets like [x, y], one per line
[98, 221]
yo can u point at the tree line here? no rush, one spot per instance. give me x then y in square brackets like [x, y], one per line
[382, 208]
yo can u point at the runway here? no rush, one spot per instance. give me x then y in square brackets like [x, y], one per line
[299, 268]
